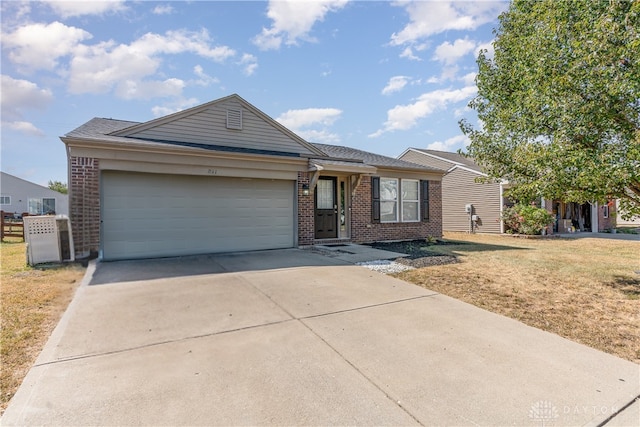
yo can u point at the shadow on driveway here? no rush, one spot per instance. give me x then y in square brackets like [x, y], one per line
[196, 265]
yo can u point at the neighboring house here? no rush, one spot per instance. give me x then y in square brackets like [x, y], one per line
[21, 196]
[620, 222]
[224, 177]
[459, 189]
[487, 200]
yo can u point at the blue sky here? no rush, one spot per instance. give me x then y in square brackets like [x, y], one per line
[378, 76]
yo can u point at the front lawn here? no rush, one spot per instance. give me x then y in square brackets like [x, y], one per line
[32, 301]
[586, 290]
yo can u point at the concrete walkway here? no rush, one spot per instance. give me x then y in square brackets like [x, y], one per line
[295, 338]
[354, 253]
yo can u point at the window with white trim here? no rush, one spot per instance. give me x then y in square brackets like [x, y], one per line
[605, 211]
[42, 206]
[410, 200]
[5, 200]
[388, 200]
[399, 200]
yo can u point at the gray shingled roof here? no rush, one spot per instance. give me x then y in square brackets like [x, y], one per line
[99, 129]
[453, 158]
[341, 152]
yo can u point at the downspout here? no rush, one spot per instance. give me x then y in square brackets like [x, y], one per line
[501, 209]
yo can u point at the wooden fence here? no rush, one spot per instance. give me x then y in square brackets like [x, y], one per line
[11, 227]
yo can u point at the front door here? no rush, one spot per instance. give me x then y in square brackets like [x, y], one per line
[326, 209]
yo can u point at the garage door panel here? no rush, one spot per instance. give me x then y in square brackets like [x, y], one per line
[147, 215]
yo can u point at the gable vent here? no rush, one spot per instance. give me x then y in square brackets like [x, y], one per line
[234, 119]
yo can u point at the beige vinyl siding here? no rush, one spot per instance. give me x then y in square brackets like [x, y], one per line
[425, 160]
[209, 127]
[458, 189]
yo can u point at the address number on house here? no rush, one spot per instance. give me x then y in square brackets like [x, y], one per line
[212, 171]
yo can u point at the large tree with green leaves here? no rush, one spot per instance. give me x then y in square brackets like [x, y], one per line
[59, 186]
[559, 102]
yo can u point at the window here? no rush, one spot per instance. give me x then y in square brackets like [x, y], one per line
[410, 200]
[48, 206]
[605, 211]
[388, 200]
[399, 200]
[5, 200]
[42, 206]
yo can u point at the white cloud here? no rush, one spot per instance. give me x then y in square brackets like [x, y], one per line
[403, 117]
[469, 79]
[23, 127]
[433, 17]
[293, 20]
[296, 119]
[250, 63]
[101, 67]
[203, 78]
[450, 53]
[162, 9]
[39, 46]
[451, 144]
[321, 136]
[132, 89]
[18, 96]
[174, 106]
[395, 84]
[68, 9]
[312, 123]
[408, 53]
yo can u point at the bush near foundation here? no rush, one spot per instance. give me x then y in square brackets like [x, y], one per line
[526, 219]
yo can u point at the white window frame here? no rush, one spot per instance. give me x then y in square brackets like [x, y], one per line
[36, 205]
[399, 200]
[416, 201]
[3, 200]
[395, 200]
[605, 211]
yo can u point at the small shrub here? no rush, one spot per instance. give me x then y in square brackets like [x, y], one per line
[526, 219]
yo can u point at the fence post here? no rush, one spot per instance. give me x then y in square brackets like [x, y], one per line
[2, 225]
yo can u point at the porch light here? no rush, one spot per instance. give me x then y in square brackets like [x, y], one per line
[305, 189]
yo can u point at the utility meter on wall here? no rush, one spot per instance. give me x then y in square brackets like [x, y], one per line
[468, 207]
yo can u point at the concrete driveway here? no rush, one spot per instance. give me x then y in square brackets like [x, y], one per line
[295, 338]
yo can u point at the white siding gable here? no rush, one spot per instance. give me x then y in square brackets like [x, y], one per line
[208, 124]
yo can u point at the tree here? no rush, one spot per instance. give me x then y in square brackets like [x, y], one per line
[559, 103]
[58, 186]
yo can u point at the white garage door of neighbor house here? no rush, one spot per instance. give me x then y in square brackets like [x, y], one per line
[152, 215]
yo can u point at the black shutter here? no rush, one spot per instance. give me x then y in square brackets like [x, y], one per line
[375, 199]
[424, 200]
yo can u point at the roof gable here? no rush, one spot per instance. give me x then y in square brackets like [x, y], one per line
[226, 122]
[11, 185]
[453, 159]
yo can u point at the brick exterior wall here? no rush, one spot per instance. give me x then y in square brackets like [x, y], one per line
[363, 230]
[306, 227]
[605, 224]
[84, 205]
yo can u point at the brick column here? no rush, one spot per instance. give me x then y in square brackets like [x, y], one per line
[84, 205]
[306, 231]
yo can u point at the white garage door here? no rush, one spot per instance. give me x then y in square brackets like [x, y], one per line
[152, 215]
